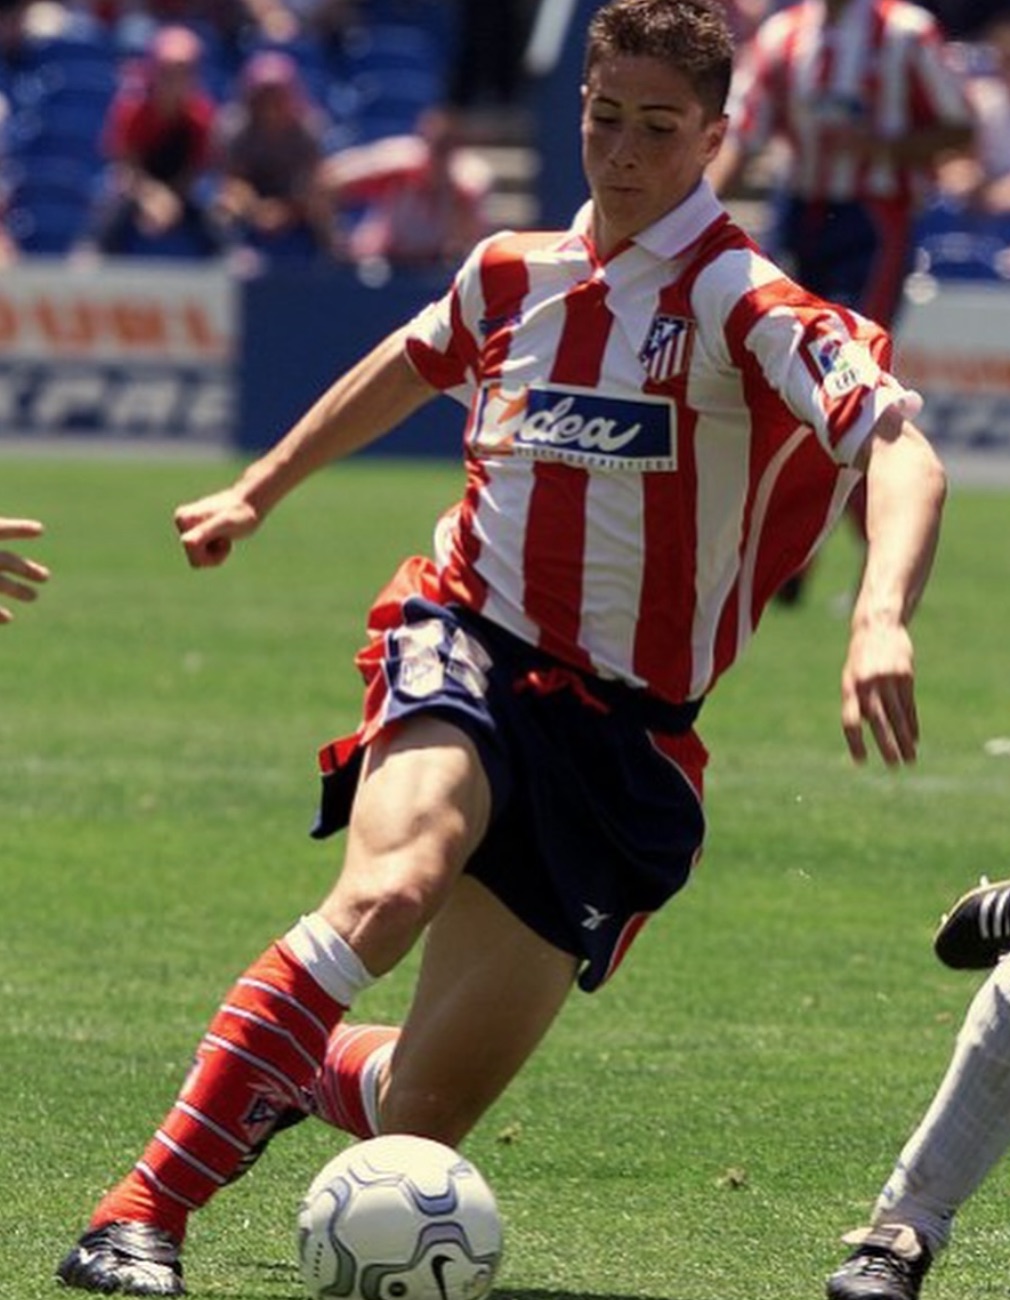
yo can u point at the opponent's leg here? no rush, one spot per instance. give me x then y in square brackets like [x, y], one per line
[963, 1133]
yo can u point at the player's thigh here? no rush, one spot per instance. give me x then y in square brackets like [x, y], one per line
[421, 807]
[488, 990]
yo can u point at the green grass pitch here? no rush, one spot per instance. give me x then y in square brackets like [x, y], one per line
[703, 1129]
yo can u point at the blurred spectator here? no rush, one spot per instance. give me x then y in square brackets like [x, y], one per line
[271, 147]
[9, 250]
[231, 26]
[862, 102]
[323, 18]
[980, 180]
[158, 136]
[329, 20]
[416, 198]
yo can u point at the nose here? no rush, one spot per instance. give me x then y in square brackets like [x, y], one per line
[623, 149]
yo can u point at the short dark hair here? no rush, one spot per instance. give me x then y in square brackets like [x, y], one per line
[691, 35]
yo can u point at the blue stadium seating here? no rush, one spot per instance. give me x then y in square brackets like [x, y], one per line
[58, 90]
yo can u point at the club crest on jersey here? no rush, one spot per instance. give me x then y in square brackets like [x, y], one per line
[665, 351]
[843, 364]
[579, 426]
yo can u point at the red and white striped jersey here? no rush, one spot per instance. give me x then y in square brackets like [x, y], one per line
[654, 442]
[881, 63]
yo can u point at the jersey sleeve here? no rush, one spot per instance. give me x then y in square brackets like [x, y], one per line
[443, 339]
[826, 365]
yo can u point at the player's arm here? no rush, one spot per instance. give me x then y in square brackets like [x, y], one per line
[19, 576]
[366, 402]
[905, 490]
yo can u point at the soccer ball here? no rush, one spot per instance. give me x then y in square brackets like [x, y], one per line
[399, 1218]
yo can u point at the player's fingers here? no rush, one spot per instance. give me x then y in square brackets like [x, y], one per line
[904, 718]
[188, 516]
[205, 545]
[17, 590]
[11, 528]
[895, 730]
[15, 567]
[852, 723]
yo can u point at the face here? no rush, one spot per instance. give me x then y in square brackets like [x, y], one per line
[646, 141]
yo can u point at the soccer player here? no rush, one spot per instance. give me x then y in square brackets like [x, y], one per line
[19, 576]
[965, 1130]
[661, 427]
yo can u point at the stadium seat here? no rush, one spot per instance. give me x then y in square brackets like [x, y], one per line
[395, 71]
[48, 208]
[954, 243]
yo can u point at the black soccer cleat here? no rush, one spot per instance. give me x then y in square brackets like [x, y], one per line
[124, 1259]
[889, 1263]
[975, 933]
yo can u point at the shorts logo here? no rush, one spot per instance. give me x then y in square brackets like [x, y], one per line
[665, 351]
[426, 658]
[594, 918]
[577, 426]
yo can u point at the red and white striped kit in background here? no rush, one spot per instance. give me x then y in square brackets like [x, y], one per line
[654, 441]
[881, 63]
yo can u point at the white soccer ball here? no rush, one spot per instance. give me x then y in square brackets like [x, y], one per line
[399, 1218]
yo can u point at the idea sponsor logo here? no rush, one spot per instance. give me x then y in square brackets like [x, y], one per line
[582, 428]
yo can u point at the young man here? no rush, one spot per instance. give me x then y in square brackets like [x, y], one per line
[661, 428]
[965, 1130]
[19, 576]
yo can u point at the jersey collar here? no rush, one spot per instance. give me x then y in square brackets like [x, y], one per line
[672, 234]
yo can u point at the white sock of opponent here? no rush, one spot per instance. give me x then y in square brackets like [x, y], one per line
[966, 1128]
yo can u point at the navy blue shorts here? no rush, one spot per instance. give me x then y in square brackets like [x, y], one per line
[596, 788]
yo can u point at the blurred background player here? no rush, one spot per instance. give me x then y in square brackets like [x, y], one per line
[19, 576]
[859, 103]
[980, 180]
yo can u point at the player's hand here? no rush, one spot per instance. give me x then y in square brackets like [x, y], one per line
[878, 691]
[208, 527]
[19, 577]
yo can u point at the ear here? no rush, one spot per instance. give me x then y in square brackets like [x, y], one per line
[715, 134]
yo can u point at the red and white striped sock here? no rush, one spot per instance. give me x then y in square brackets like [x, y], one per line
[346, 1090]
[258, 1057]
